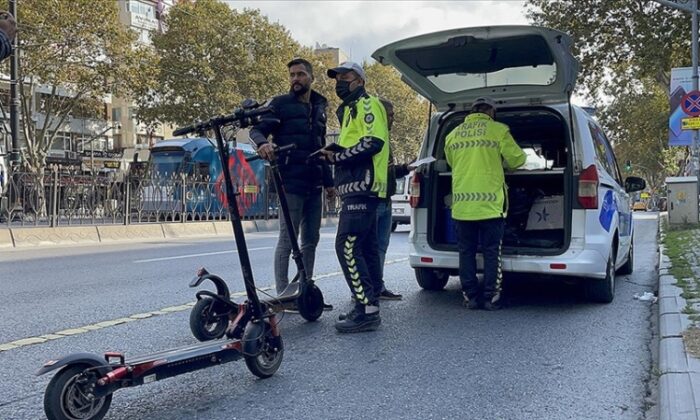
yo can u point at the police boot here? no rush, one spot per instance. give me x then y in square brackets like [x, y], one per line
[362, 318]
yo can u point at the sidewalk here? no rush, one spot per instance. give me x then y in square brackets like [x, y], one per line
[25, 237]
[679, 310]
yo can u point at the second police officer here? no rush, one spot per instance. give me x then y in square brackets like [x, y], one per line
[360, 180]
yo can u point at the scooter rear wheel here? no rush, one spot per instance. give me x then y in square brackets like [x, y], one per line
[310, 303]
[66, 396]
[205, 322]
[270, 353]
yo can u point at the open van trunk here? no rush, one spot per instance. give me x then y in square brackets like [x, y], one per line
[539, 193]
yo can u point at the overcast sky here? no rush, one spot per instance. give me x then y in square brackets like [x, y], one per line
[360, 27]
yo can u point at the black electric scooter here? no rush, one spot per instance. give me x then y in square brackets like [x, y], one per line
[214, 314]
[83, 386]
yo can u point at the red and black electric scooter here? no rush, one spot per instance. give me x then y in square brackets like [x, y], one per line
[214, 314]
[83, 386]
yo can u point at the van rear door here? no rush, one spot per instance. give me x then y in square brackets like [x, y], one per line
[516, 65]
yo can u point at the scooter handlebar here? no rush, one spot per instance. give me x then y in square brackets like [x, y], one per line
[278, 151]
[244, 118]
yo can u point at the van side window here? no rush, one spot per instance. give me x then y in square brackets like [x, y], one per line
[604, 152]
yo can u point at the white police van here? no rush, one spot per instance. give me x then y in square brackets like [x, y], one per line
[400, 207]
[569, 208]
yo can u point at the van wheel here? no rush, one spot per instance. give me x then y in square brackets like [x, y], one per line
[629, 265]
[603, 291]
[430, 279]
[394, 225]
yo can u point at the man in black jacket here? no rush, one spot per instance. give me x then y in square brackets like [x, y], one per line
[299, 118]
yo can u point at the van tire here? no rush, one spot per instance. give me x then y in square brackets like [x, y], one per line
[603, 290]
[430, 279]
[629, 264]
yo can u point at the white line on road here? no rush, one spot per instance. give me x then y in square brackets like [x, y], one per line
[136, 317]
[177, 257]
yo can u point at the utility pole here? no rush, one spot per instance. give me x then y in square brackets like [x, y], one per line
[14, 94]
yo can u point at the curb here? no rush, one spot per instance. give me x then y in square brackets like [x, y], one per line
[679, 380]
[27, 237]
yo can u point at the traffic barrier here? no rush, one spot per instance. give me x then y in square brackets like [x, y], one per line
[69, 235]
[118, 233]
[184, 230]
[6, 239]
[24, 237]
[225, 228]
[267, 225]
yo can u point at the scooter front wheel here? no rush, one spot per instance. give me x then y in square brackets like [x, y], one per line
[69, 397]
[205, 321]
[310, 303]
[270, 352]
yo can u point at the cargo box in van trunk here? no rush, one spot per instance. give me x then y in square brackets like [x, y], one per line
[539, 193]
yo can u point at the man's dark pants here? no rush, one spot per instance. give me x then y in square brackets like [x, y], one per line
[305, 214]
[357, 250]
[489, 234]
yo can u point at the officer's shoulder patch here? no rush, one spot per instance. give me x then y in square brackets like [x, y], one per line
[369, 118]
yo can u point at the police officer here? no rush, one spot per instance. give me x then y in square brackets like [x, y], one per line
[477, 151]
[360, 180]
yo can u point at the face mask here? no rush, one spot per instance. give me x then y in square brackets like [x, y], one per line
[342, 89]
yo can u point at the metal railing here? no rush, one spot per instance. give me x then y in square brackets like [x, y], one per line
[64, 197]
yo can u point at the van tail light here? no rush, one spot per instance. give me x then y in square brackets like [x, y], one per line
[588, 188]
[414, 190]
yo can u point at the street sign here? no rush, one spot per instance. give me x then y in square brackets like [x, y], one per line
[690, 123]
[644, 195]
[690, 103]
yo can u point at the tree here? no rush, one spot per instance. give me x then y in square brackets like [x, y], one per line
[410, 110]
[79, 50]
[627, 49]
[619, 42]
[210, 58]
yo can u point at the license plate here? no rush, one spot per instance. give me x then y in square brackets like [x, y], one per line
[396, 211]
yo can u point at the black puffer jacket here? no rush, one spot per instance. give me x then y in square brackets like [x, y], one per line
[296, 122]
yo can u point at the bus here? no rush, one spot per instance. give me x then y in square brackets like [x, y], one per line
[185, 176]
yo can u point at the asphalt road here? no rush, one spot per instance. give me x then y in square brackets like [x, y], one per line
[548, 355]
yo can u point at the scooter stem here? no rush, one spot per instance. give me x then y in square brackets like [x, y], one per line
[238, 227]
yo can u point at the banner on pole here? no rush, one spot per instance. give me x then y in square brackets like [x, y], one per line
[681, 84]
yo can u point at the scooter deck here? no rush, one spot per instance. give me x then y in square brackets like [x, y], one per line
[291, 294]
[184, 353]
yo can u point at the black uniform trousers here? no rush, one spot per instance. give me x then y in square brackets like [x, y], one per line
[357, 249]
[488, 233]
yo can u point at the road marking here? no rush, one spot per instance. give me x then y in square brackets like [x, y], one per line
[24, 342]
[197, 255]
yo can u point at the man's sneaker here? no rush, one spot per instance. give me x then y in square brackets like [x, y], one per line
[389, 295]
[359, 322]
[470, 303]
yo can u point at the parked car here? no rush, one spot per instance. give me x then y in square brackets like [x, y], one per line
[400, 208]
[639, 206]
[570, 208]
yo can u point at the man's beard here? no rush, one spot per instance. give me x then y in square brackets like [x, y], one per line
[299, 92]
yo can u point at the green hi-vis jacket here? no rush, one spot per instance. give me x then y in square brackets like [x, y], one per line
[477, 150]
[361, 169]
